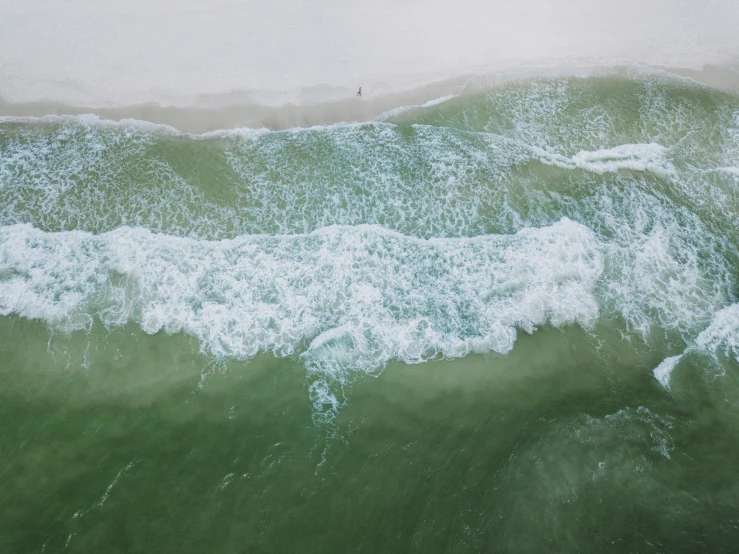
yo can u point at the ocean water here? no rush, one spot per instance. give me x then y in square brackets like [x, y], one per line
[501, 322]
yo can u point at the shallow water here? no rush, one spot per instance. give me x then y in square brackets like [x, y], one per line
[505, 322]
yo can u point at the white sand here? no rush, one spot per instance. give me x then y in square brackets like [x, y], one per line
[112, 53]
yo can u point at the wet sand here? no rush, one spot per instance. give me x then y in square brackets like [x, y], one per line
[223, 113]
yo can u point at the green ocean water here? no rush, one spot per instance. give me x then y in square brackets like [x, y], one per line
[499, 322]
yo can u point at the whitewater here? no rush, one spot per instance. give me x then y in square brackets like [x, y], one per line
[443, 230]
[508, 316]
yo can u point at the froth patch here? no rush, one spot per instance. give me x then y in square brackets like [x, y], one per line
[635, 157]
[663, 371]
[345, 298]
[722, 333]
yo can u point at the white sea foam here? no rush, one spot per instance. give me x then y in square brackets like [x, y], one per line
[440, 100]
[428, 182]
[465, 168]
[722, 333]
[663, 266]
[348, 298]
[663, 371]
[636, 157]
[401, 109]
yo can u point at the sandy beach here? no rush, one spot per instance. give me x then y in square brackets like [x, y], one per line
[237, 62]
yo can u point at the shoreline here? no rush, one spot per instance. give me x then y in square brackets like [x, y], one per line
[230, 111]
[283, 64]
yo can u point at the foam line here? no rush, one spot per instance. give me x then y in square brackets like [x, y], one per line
[348, 298]
[635, 157]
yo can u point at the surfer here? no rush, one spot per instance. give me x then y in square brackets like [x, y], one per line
[359, 92]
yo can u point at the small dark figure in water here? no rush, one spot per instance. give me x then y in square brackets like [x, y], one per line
[359, 92]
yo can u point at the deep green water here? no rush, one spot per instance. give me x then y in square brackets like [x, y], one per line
[505, 322]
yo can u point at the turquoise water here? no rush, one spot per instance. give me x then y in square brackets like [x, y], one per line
[501, 322]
